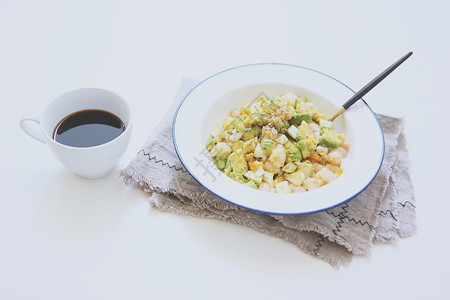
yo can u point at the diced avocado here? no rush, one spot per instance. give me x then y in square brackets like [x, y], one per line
[267, 146]
[220, 162]
[261, 119]
[234, 134]
[311, 144]
[298, 118]
[293, 155]
[322, 129]
[222, 150]
[238, 162]
[257, 130]
[238, 177]
[251, 184]
[248, 134]
[210, 144]
[303, 131]
[236, 145]
[274, 104]
[281, 125]
[301, 145]
[330, 139]
[227, 170]
[249, 146]
[237, 124]
[307, 146]
[290, 145]
[318, 116]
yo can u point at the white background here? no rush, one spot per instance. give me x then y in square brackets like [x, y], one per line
[62, 237]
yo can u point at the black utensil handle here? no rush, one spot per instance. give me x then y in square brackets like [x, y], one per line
[375, 81]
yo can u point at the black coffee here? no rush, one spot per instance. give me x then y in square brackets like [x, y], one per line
[88, 128]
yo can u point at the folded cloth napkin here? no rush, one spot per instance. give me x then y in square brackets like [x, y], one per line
[382, 213]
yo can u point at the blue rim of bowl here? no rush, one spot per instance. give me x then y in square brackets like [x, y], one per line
[262, 211]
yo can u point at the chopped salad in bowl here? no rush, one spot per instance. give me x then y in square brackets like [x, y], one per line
[277, 154]
[279, 144]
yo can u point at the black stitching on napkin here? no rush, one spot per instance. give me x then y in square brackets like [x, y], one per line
[406, 202]
[358, 222]
[162, 162]
[339, 216]
[318, 246]
[344, 208]
[343, 217]
[338, 226]
[386, 212]
[339, 222]
[333, 214]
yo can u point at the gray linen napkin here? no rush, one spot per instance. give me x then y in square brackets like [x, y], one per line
[382, 213]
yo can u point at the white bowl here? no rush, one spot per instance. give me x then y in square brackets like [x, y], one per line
[207, 105]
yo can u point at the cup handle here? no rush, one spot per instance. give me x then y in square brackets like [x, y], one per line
[26, 126]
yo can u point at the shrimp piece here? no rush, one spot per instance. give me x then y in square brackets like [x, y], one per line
[270, 167]
[312, 183]
[276, 160]
[278, 156]
[345, 144]
[268, 178]
[317, 167]
[296, 188]
[289, 98]
[265, 187]
[269, 133]
[283, 187]
[308, 171]
[326, 175]
[336, 156]
[303, 107]
[285, 112]
[333, 169]
[314, 130]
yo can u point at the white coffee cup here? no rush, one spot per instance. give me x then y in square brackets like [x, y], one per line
[88, 162]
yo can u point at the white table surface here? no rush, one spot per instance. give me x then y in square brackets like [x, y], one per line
[62, 237]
